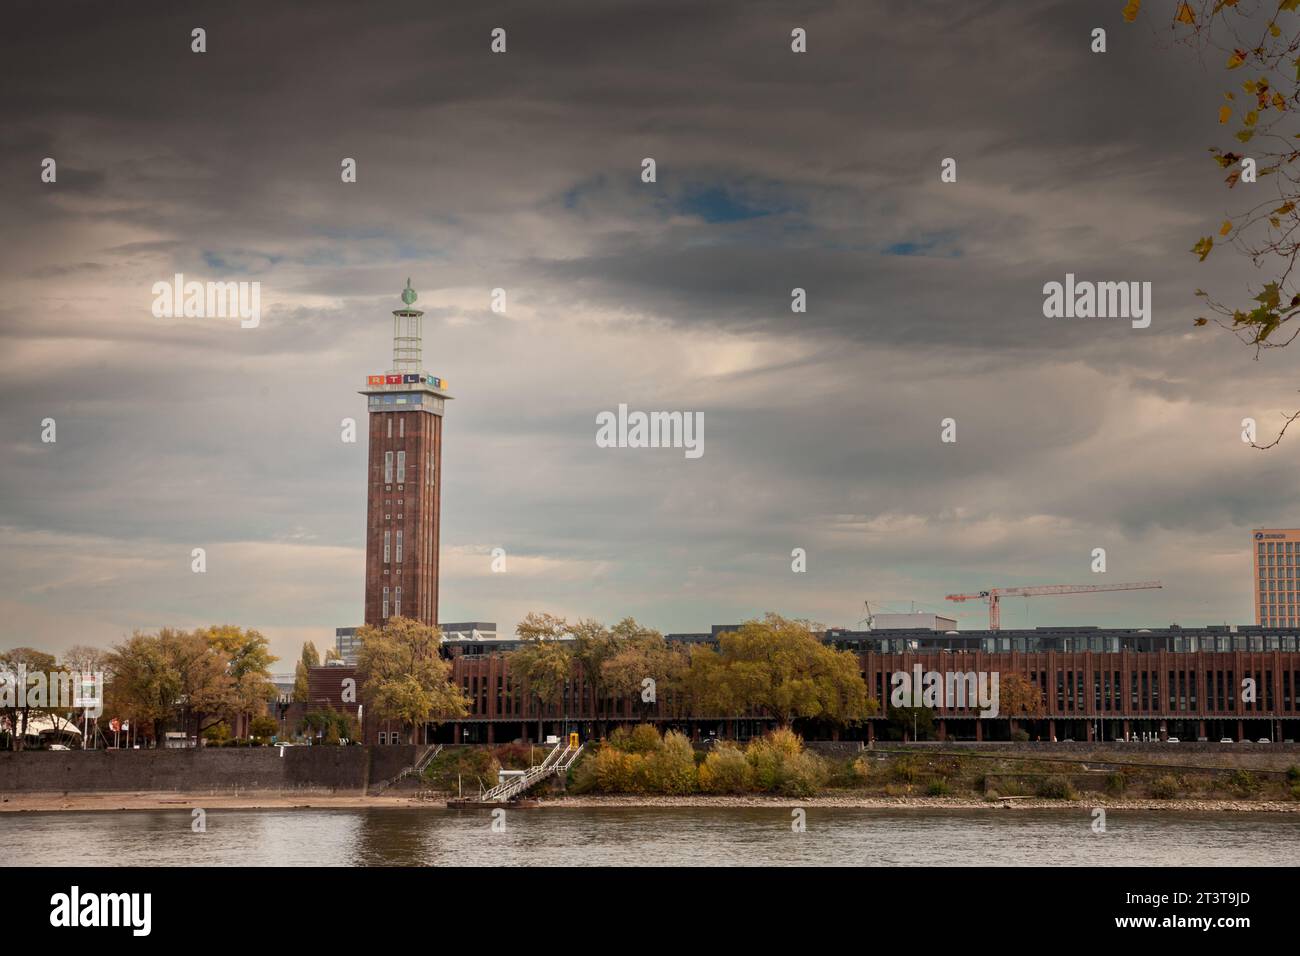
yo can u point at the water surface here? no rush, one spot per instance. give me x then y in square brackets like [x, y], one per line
[688, 836]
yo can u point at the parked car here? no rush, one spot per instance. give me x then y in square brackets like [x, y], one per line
[1263, 740]
[1225, 740]
[58, 747]
[1172, 740]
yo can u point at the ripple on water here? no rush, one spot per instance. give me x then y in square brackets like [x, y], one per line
[660, 836]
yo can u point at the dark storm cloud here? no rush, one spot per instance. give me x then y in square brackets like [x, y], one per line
[522, 171]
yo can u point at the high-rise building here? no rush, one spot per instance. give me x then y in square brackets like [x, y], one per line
[404, 479]
[1277, 552]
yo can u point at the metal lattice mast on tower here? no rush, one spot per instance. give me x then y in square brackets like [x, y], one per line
[406, 334]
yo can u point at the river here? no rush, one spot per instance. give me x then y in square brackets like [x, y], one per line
[618, 836]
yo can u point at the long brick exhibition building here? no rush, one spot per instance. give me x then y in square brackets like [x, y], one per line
[1095, 684]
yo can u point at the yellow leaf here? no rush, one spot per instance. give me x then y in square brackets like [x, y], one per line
[1226, 227]
[1252, 118]
[1278, 101]
[1185, 14]
[1225, 113]
[1131, 10]
[1237, 58]
[1273, 29]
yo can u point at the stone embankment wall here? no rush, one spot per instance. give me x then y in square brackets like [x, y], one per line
[347, 770]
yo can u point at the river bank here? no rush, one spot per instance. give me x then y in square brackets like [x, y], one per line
[423, 800]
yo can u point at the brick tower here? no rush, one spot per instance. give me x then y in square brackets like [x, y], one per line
[404, 479]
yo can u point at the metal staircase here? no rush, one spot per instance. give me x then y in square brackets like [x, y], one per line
[558, 761]
[416, 768]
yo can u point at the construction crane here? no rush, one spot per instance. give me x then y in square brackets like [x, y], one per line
[994, 595]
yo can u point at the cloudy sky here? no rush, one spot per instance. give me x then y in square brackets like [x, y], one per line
[522, 171]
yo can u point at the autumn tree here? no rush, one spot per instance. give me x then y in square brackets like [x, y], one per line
[1257, 42]
[85, 659]
[541, 627]
[643, 653]
[779, 668]
[593, 645]
[404, 677]
[17, 665]
[1018, 697]
[310, 658]
[248, 663]
[145, 684]
[543, 661]
[207, 688]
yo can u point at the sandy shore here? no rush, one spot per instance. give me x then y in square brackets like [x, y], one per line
[44, 802]
[853, 801]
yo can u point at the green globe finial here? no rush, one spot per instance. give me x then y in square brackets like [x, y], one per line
[408, 294]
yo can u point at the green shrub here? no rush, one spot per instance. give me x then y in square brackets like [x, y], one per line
[613, 771]
[1020, 736]
[468, 765]
[766, 757]
[1116, 783]
[725, 770]
[802, 775]
[1166, 787]
[1056, 788]
[1010, 787]
[905, 770]
[937, 788]
[517, 756]
[264, 727]
[1293, 773]
[217, 734]
[851, 773]
[1243, 781]
[862, 772]
[638, 739]
[779, 764]
[330, 726]
[671, 768]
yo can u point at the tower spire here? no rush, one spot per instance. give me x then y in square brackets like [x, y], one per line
[406, 334]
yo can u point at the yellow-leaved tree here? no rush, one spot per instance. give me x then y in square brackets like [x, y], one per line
[404, 677]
